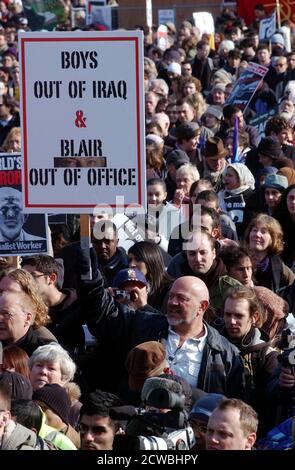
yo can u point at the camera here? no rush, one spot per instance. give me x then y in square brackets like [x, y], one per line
[287, 343]
[122, 294]
[156, 430]
[182, 439]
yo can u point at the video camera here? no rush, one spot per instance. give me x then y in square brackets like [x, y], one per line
[287, 344]
[164, 429]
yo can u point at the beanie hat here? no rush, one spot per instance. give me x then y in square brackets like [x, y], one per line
[174, 67]
[215, 111]
[188, 130]
[177, 158]
[270, 147]
[226, 44]
[278, 39]
[278, 182]
[276, 309]
[20, 387]
[56, 398]
[219, 86]
[145, 360]
[204, 407]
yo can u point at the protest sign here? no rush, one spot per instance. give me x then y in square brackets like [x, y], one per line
[99, 13]
[78, 17]
[82, 120]
[166, 15]
[260, 121]
[19, 233]
[162, 37]
[44, 14]
[246, 85]
[267, 27]
[204, 22]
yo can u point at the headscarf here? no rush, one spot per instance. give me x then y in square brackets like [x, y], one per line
[245, 177]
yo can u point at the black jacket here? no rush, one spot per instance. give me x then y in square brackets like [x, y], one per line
[30, 342]
[119, 329]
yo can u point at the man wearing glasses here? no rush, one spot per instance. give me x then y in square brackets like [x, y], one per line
[17, 314]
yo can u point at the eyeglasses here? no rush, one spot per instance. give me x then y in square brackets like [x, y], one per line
[280, 65]
[6, 316]
[35, 276]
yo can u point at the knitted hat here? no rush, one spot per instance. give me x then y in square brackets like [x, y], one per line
[56, 398]
[270, 147]
[145, 360]
[278, 39]
[175, 68]
[278, 182]
[276, 309]
[219, 86]
[188, 130]
[204, 407]
[177, 158]
[215, 111]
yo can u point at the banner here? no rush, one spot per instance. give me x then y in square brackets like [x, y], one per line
[44, 14]
[246, 85]
[246, 9]
[19, 233]
[267, 27]
[82, 120]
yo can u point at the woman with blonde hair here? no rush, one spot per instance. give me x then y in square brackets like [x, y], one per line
[19, 280]
[12, 142]
[264, 239]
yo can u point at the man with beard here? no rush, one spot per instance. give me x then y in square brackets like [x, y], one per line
[194, 350]
[12, 217]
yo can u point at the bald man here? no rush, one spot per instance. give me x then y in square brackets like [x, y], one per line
[194, 350]
[12, 217]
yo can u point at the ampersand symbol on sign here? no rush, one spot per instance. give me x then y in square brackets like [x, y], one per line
[80, 119]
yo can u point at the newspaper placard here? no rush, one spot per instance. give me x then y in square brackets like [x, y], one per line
[166, 15]
[103, 15]
[19, 233]
[246, 85]
[82, 120]
[78, 17]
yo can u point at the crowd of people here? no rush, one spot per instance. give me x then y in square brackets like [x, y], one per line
[191, 322]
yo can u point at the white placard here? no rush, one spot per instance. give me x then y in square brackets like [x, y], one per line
[162, 37]
[149, 13]
[204, 22]
[82, 120]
